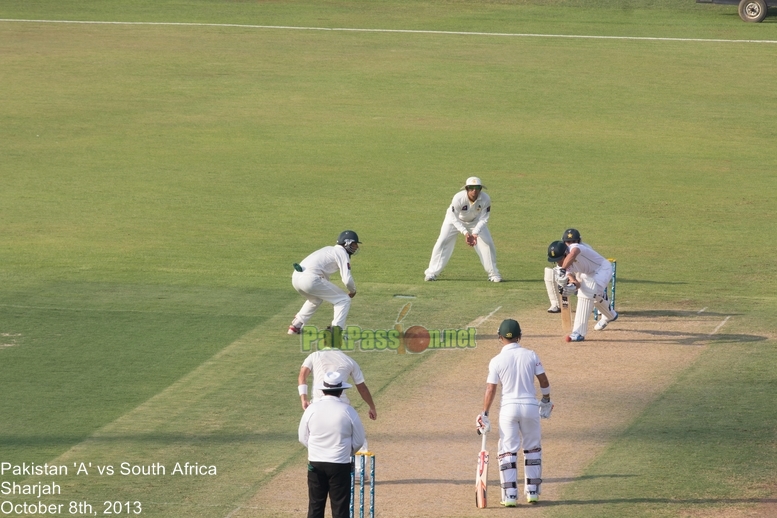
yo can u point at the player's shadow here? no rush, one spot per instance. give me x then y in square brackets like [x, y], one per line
[649, 281]
[656, 313]
[681, 338]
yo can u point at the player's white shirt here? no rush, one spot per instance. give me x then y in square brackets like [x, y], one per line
[516, 368]
[332, 360]
[588, 261]
[472, 213]
[326, 261]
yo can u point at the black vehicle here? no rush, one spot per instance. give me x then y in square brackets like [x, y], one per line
[749, 10]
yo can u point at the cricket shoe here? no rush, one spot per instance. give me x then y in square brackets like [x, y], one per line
[293, 330]
[554, 309]
[509, 503]
[603, 322]
[532, 497]
[430, 278]
[575, 337]
[495, 279]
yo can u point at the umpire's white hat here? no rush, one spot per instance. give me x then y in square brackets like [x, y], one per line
[333, 381]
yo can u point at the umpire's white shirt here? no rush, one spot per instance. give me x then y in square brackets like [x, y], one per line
[326, 261]
[516, 368]
[331, 430]
[332, 360]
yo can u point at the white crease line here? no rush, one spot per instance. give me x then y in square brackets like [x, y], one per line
[701, 310]
[720, 325]
[400, 31]
[480, 320]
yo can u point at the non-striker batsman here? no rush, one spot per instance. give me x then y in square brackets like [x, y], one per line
[519, 414]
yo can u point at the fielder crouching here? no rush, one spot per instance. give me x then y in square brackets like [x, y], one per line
[311, 280]
[519, 415]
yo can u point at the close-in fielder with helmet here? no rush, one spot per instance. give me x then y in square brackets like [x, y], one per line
[519, 414]
[311, 280]
[583, 272]
[468, 215]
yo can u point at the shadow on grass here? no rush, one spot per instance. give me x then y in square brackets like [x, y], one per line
[467, 482]
[678, 501]
[539, 280]
[167, 438]
[681, 338]
[655, 313]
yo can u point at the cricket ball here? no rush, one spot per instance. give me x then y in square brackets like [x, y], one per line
[416, 339]
[568, 338]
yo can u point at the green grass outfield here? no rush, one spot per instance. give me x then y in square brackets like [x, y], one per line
[159, 180]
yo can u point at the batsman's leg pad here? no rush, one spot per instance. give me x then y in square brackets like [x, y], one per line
[532, 468]
[584, 308]
[508, 475]
[603, 305]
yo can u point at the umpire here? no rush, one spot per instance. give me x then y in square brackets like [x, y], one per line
[332, 432]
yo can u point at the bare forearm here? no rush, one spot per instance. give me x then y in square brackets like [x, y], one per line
[488, 399]
[364, 392]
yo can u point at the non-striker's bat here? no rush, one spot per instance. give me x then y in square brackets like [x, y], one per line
[481, 477]
[566, 315]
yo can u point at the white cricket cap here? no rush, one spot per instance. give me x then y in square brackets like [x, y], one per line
[333, 381]
[473, 180]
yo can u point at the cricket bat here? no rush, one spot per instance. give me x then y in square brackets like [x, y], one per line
[481, 477]
[566, 315]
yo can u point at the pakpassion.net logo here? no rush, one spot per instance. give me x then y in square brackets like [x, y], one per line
[415, 339]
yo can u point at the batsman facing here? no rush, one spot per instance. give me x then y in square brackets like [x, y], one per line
[583, 272]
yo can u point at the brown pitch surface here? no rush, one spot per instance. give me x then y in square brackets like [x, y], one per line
[425, 439]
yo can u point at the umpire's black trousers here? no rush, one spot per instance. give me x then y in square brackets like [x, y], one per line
[328, 478]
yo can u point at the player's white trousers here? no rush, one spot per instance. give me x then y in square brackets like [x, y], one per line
[519, 430]
[317, 289]
[590, 295]
[443, 249]
[551, 287]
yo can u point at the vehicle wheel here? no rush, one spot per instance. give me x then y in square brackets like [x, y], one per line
[752, 10]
